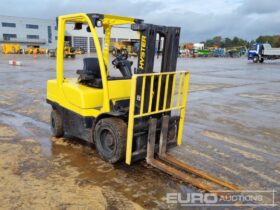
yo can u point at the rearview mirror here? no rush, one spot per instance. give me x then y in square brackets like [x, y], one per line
[88, 29]
[78, 26]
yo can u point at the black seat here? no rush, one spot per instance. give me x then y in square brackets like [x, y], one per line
[90, 75]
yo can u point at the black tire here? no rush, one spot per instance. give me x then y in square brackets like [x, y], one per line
[261, 60]
[256, 59]
[73, 56]
[110, 139]
[56, 124]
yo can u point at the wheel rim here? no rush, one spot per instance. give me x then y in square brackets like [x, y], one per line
[107, 141]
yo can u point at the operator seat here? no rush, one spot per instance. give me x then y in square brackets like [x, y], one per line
[90, 75]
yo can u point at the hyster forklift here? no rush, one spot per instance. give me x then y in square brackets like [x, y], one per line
[137, 115]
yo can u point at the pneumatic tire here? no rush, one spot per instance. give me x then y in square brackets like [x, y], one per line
[261, 60]
[56, 124]
[110, 139]
[256, 59]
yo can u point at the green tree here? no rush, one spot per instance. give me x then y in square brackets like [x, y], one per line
[226, 42]
[273, 40]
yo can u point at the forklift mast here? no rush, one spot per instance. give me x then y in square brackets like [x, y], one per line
[168, 41]
[149, 34]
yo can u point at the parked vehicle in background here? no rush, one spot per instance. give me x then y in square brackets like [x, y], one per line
[260, 52]
[52, 53]
[129, 47]
[79, 51]
[37, 50]
[218, 52]
[68, 52]
[202, 52]
[235, 52]
[11, 48]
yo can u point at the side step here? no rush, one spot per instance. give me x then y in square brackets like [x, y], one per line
[177, 168]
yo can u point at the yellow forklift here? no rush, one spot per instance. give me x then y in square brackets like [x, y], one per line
[129, 47]
[137, 115]
[69, 52]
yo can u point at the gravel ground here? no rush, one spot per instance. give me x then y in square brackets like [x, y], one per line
[232, 131]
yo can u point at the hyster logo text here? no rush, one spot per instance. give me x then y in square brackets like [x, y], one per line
[142, 52]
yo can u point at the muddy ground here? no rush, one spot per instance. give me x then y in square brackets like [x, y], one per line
[232, 131]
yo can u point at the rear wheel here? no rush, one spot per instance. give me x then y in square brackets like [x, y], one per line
[56, 124]
[110, 139]
[256, 59]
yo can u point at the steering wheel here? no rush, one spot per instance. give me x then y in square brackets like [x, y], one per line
[119, 57]
[124, 65]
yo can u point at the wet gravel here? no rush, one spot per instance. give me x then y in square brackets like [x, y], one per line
[232, 131]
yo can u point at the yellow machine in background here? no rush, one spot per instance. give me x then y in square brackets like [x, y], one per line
[10, 48]
[28, 50]
[129, 47]
[79, 51]
[69, 52]
[42, 50]
[36, 50]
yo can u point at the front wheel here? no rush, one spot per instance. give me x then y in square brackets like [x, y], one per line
[56, 124]
[256, 59]
[110, 139]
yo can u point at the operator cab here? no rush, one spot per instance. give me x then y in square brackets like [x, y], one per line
[91, 74]
[254, 47]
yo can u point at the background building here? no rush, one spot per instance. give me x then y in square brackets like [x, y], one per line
[43, 33]
[28, 31]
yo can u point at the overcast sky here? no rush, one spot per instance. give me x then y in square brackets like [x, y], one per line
[199, 19]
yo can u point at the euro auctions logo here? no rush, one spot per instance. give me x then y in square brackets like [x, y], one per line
[224, 198]
[192, 198]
